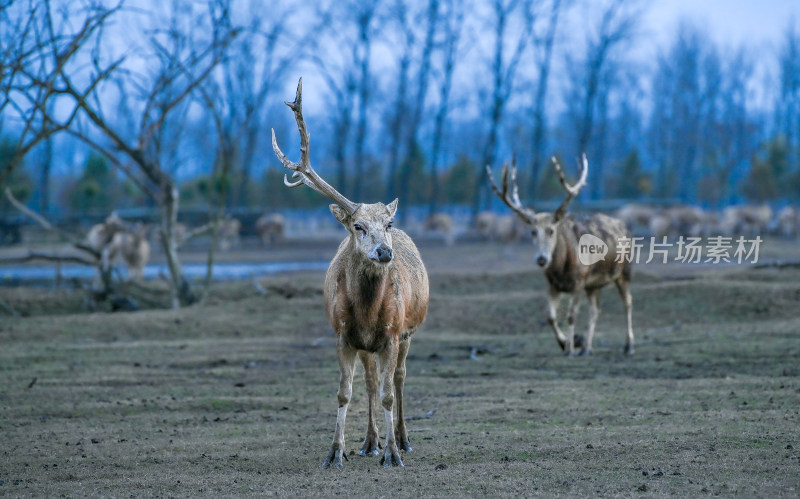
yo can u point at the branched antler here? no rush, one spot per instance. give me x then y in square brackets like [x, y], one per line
[572, 190]
[303, 171]
[511, 199]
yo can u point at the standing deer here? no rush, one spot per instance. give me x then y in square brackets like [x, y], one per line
[441, 223]
[555, 237]
[638, 217]
[788, 221]
[376, 296]
[100, 235]
[132, 246]
[228, 233]
[271, 228]
[485, 223]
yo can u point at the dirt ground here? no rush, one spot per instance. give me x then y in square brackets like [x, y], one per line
[238, 396]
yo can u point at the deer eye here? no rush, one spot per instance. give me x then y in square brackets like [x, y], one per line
[549, 231]
[360, 228]
[390, 224]
[534, 233]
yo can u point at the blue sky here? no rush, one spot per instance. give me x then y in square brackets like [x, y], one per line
[730, 22]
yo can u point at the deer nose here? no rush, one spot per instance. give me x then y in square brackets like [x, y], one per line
[542, 261]
[384, 253]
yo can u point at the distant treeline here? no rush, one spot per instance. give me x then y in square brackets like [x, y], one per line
[405, 98]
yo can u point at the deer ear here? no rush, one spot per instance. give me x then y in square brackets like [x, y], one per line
[392, 207]
[339, 212]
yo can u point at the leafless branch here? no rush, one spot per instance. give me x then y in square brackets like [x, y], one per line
[49, 257]
[75, 240]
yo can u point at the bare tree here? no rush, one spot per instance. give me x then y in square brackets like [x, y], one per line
[402, 15]
[543, 53]
[182, 64]
[452, 26]
[591, 75]
[365, 21]
[508, 47]
[36, 46]
[347, 72]
[729, 139]
[423, 77]
[220, 173]
[787, 107]
[267, 49]
[674, 133]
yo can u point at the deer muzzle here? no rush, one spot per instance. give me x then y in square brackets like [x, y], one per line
[382, 254]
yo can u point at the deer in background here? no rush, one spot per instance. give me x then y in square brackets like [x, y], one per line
[132, 246]
[788, 221]
[441, 223]
[228, 233]
[376, 296]
[271, 228]
[115, 238]
[555, 238]
[100, 236]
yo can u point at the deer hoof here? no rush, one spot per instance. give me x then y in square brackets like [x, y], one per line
[628, 349]
[371, 446]
[391, 457]
[402, 444]
[334, 459]
[568, 353]
[585, 352]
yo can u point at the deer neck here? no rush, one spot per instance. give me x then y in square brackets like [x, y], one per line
[366, 282]
[565, 258]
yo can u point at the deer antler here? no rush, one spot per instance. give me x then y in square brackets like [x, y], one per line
[572, 190]
[510, 199]
[303, 170]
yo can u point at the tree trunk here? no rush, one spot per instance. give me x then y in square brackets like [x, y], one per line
[441, 115]
[44, 178]
[396, 129]
[422, 90]
[180, 290]
[246, 159]
[540, 102]
[596, 191]
[364, 44]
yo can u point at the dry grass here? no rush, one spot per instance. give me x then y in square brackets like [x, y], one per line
[239, 397]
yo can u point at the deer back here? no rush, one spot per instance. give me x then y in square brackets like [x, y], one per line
[567, 272]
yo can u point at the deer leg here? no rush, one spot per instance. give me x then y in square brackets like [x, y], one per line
[106, 256]
[553, 298]
[574, 302]
[347, 365]
[594, 311]
[400, 433]
[371, 442]
[624, 292]
[388, 363]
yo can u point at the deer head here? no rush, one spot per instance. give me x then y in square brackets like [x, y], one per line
[369, 225]
[544, 226]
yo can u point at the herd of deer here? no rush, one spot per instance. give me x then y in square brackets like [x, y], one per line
[749, 220]
[117, 240]
[642, 219]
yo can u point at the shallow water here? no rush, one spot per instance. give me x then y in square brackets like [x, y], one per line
[222, 271]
